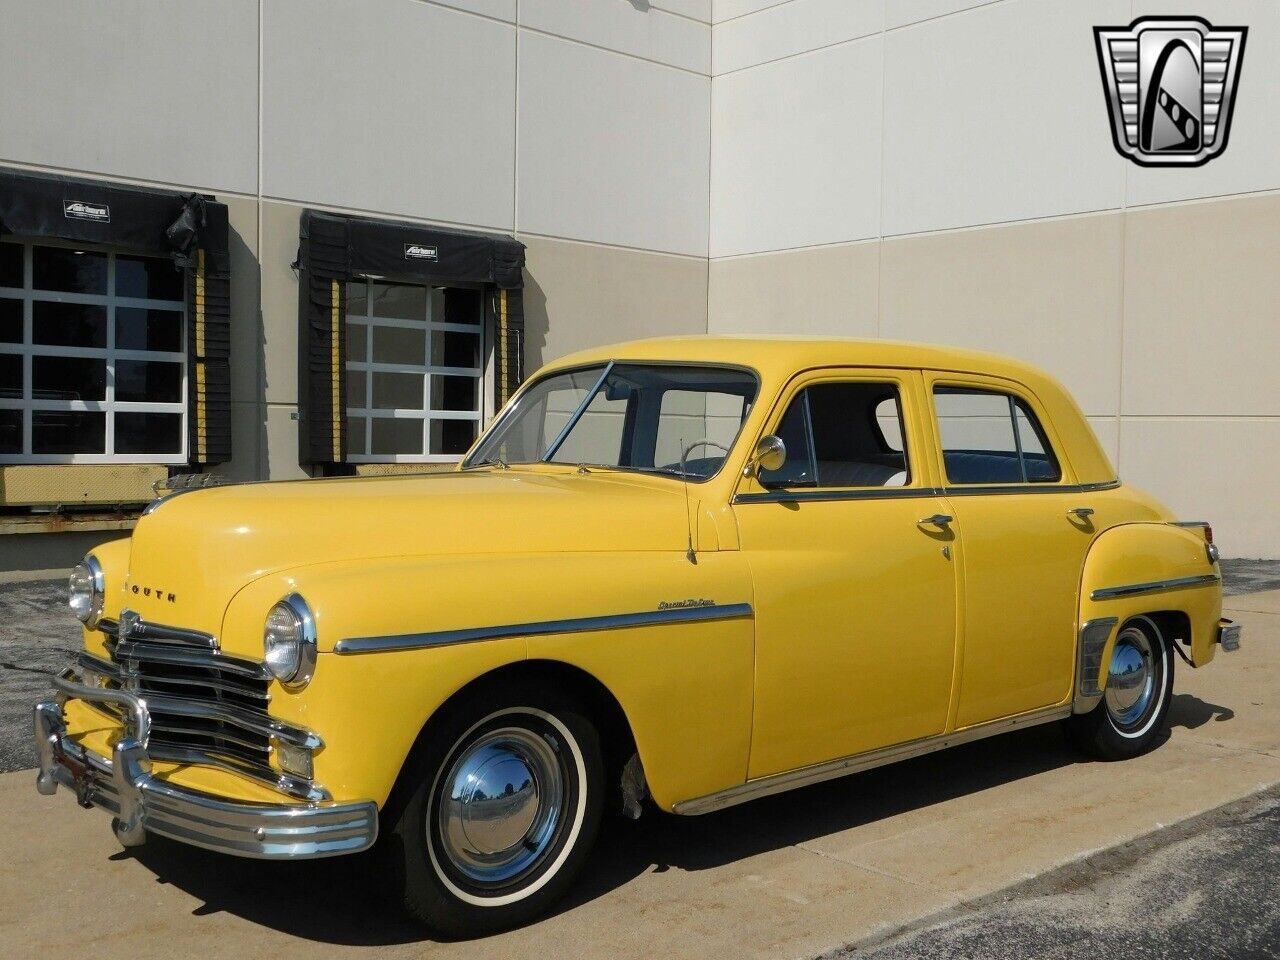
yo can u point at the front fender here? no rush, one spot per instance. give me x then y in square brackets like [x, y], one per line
[1143, 568]
[684, 686]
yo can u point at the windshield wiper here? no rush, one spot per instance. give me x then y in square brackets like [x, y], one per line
[490, 462]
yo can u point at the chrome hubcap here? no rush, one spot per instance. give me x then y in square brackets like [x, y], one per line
[1131, 680]
[500, 805]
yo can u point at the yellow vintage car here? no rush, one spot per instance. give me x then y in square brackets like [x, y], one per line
[681, 573]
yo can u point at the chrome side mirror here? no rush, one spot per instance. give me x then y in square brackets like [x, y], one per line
[770, 454]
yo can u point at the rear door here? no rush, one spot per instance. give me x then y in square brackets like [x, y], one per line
[1022, 545]
[855, 596]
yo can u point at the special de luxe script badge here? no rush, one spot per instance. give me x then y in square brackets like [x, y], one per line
[1170, 84]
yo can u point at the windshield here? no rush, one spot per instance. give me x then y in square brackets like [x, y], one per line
[645, 417]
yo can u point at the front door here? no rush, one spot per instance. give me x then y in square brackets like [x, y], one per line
[855, 583]
[1024, 534]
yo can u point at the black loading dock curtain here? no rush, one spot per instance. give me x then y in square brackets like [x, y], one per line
[335, 249]
[189, 228]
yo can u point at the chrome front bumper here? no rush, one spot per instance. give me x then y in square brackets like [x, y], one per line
[1229, 634]
[141, 803]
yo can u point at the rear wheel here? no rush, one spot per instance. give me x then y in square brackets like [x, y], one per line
[504, 807]
[1130, 717]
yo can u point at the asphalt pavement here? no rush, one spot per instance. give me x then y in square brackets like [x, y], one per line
[1206, 888]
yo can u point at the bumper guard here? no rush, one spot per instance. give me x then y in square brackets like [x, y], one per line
[142, 803]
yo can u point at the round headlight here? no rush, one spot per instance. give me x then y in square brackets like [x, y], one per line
[289, 641]
[85, 591]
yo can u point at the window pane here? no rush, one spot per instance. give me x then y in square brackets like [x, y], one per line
[69, 271]
[149, 278]
[1041, 464]
[400, 345]
[69, 324]
[399, 301]
[357, 298]
[390, 436]
[68, 378]
[10, 265]
[357, 385]
[356, 432]
[148, 433]
[148, 380]
[357, 341]
[976, 430]
[597, 436]
[10, 376]
[139, 329]
[462, 306]
[449, 349]
[688, 416]
[888, 419]
[455, 393]
[397, 391]
[10, 321]
[452, 437]
[68, 431]
[10, 431]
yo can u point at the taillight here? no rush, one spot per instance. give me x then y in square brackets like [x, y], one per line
[1208, 533]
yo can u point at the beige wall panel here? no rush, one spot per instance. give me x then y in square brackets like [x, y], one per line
[996, 115]
[796, 156]
[1202, 309]
[1107, 430]
[722, 10]
[280, 302]
[899, 13]
[697, 9]
[612, 149]
[580, 295]
[281, 452]
[246, 302]
[498, 9]
[391, 106]
[792, 28]
[1218, 469]
[825, 290]
[1049, 293]
[133, 88]
[1251, 160]
[640, 30]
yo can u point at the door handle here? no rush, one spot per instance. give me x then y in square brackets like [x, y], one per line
[937, 520]
[1082, 513]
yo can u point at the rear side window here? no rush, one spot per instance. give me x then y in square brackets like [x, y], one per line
[991, 437]
[842, 435]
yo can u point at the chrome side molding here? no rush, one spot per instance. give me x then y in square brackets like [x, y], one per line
[1093, 640]
[833, 769]
[1154, 586]
[441, 638]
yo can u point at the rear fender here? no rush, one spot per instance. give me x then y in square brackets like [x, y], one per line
[1142, 569]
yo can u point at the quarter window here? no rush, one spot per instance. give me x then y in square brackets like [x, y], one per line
[991, 437]
[414, 371]
[93, 364]
[842, 435]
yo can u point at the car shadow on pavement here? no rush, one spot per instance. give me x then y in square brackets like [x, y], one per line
[345, 900]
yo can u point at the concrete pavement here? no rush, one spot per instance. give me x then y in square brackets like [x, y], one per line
[790, 876]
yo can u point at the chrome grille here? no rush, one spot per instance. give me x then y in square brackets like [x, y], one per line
[206, 707]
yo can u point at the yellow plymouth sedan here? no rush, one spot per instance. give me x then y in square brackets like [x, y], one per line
[685, 572]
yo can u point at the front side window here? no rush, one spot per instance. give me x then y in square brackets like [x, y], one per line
[414, 371]
[991, 437]
[93, 362]
[842, 435]
[644, 417]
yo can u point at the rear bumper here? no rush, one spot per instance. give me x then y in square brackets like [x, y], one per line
[141, 803]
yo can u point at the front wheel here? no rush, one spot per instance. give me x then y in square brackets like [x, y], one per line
[1130, 717]
[504, 808]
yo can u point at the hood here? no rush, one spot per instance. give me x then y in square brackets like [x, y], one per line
[194, 552]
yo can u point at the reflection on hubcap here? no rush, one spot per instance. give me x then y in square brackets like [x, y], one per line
[500, 804]
[1131, 681]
